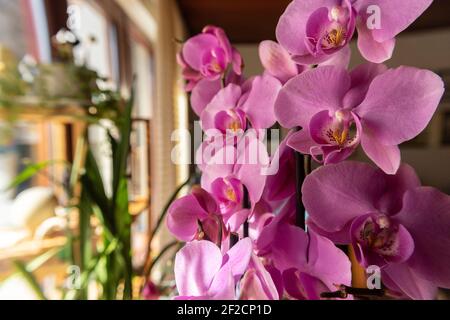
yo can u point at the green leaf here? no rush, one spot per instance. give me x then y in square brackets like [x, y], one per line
[30, 171]
[30, 278]
[43, 258]
[93, 184]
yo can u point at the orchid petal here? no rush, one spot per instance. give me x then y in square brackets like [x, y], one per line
[426, 215]
[408, 281]
[277, 61]
[291, 28]
[400, 103]
[183, 215]
[238, 257]
[223, 285]
[312, 91]
[196, 46]
[347, 190]
[196, 266]
[395, 17]
[372, 50]
[362, 76]
[260, 100]
[396, 186]
[386, 157]
[203, 93]
[225, 99]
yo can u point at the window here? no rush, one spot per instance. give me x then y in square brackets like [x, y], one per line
[24, 32]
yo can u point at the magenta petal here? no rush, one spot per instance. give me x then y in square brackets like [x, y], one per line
[259, 101]
[223, 285]
[238, 257]
[341, 237]
[224, 100]
[216, 157]
[396, 16]
[221, 37]
[400, 103]
[252, 287]
[405, 246]
[203, 93]
[304, 96]
[328, 263]
[183, 215]
[310, 59]
[277, 279]
[235, 220]
[237, 62]
[195, 47]
[372, 50]
[188, 298]
[426, 215]
[196, 266]
[317, 23]
[302, 142]
[336, 194]
[396, 249]
[281, 184]
[336, 155]
[257, 283]
[302, 286]
[205, 200]
[277, 61]
[408, 281]
[386, 157]
[340, 58]
[289, 247]
[362, 76]
[251, 164]
[291, 28]
[266, 240]
[396, 185]
[319, 126]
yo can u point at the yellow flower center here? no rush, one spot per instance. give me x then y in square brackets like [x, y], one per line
[335, 38]
[231, 195]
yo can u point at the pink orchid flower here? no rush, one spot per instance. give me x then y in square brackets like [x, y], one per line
[278, 63]
[207, 56]
[205, 90]
[309, 263]
[150, 291]
[203, 273]
[312, 31]
[391, 221]
[228, 169]
[257, 282]
[199, 216]
[371, 106]
[233, 107]
[280, 185]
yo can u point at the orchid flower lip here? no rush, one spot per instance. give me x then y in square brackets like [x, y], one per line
[228, 192]
[377, 240]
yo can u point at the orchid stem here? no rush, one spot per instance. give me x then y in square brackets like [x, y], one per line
[246, 205]
[234, 238]
[344, 291]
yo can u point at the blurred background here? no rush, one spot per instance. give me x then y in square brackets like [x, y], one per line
[67, 71]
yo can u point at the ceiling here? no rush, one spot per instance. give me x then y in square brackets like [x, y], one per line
[251, 21]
